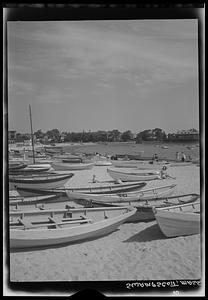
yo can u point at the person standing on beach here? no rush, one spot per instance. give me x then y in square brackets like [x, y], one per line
[177, 155]
[183, 156]
[94, 180]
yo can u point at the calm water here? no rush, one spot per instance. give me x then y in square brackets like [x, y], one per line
[148, 149]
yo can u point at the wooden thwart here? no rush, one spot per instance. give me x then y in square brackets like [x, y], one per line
[54, 222]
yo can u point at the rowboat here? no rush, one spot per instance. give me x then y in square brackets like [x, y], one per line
[55, 227]
[103, 163]
[145, 204]
[72, 160]
[123, 197]
[18, 160]
[43, 161]
[16, 166]
[73, 166]
[40, 182]
[92, 189]
[16, 201]
[134, 176]
[29, 170]
[42, 165]
[143, 165]
[179, 220]
[181, 164]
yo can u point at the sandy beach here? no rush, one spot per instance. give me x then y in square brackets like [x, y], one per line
[135, 251]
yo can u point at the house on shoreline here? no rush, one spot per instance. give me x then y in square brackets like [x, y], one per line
[184, 137]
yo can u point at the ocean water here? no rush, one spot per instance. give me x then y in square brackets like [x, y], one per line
[145, 149]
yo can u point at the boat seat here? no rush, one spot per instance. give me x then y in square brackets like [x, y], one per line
[74, 219]
[79, 221]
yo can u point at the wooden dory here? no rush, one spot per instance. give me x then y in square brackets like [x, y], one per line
[39, 182]
[54, 227]
[94, 189]
[134, 176]
[16, 201]
[142, 165]
[28, 170]
[143, 194]
[144, 206]
[179, 220]
[60, 166]
[16, 166]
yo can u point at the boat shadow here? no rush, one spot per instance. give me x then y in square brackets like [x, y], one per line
[28, 249]
[151, 233]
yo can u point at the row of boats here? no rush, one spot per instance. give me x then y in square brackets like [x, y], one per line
[46, 212]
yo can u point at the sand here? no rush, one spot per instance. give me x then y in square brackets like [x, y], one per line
[135, 251]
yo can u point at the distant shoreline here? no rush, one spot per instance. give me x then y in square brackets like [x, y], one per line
[15, 146]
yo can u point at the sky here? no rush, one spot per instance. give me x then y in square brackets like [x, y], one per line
[103, 75]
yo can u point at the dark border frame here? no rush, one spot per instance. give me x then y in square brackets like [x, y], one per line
[46, 11]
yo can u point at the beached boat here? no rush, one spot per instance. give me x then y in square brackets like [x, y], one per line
[18, 160]
[179, 220]
[18, 201]
[40, 182]
[127, 197]
[29, 170]
[43, 161]
[61, 226]
[93, 189]
[103, 163]
[60, 166]
[181, 163]
[134, 176]
[72, 160]
[143, 165]
[145, 204]
[16, 166]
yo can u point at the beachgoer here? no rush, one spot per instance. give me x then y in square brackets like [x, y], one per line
[164, 174]
[94, 180]
[183, 156]
[177, 155]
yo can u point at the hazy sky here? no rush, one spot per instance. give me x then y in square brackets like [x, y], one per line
[103, 75]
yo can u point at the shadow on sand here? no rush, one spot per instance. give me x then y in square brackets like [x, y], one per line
[148, 234]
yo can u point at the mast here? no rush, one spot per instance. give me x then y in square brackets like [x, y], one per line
[32, 139]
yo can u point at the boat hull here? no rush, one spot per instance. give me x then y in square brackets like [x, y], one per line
[145, 205]
[49, 237]
[139, 196]
[174, 224]
[42, 183]
[73, 166]
[118, 188]
[124, 176]
[142, 165]
[16, 202]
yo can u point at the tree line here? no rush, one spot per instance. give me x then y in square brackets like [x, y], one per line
[156, 134]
